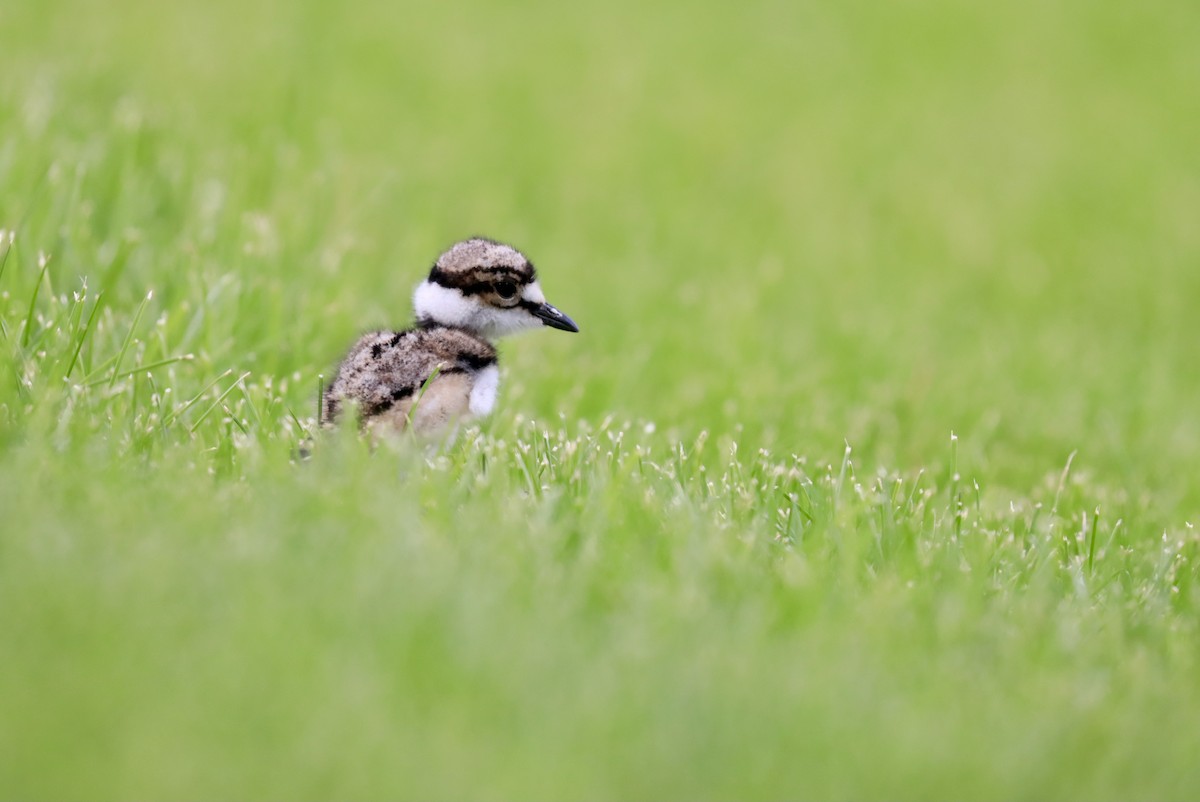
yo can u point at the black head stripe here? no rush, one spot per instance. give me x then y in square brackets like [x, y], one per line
[481, 277]
[475, 288]
[440, 277]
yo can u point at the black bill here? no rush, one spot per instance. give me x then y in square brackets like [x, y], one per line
[554, 318]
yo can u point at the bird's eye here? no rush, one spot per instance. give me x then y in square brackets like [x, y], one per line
[506, 290]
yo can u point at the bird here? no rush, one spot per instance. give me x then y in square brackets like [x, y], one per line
[443, 369]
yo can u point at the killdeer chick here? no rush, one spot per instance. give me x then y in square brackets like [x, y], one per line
[444, 368]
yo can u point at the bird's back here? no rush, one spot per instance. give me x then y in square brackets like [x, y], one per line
[385, 371]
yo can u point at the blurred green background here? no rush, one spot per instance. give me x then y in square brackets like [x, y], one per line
[872, 221]
[789, 225]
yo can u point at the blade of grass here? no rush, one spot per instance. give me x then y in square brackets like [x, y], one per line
[139, 368]
[10, 236]
[44, 264]
[296, 420]
[250, 403]
[1091, 558]
[157, 397]
[78, 305]
[408, 419]
[192, 429]
[233, 418]
[101, 368]
[137, 317]
[172, 417]
[82, 335]
[320, 396]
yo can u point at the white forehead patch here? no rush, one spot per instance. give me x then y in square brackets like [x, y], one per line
[533, 293]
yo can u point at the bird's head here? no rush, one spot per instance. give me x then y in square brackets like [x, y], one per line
[487, 288]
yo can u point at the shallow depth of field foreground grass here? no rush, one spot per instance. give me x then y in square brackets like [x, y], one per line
[871, 474]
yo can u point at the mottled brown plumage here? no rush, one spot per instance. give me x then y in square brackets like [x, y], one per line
[444, 368]
[385, 370]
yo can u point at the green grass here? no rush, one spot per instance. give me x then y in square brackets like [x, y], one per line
[960, 238]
